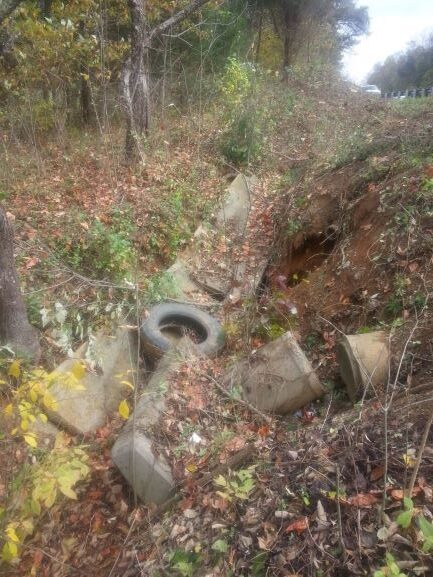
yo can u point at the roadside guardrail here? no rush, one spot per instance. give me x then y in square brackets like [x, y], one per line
[410, 93]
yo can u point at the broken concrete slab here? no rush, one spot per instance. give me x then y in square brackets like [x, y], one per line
[85, 410]
[277, 378]
[150, 475]
[247, 279]
[237, 203]
[216, 276]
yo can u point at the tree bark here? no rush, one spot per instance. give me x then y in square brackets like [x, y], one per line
[135, 81]
[7, 7]
[85, 92]
[135, 73]
[15, 329]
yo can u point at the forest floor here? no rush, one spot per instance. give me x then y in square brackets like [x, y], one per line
[347, 187]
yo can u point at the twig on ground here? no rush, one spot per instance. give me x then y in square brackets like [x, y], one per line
[246, 404]
[420, 453]
[340, 523]
[233, 462]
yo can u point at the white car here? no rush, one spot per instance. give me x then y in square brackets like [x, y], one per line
[371, 89]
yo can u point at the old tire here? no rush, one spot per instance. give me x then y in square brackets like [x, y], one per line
[208, 330]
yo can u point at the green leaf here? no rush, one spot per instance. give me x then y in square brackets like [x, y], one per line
[220, 545]
[258, 568]
[51, 498]
[220, 481]
[35, 506]
[408, 503]
[404, 519]
[426, 527]
[67, 491]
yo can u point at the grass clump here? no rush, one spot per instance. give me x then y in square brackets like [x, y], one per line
[104, 251]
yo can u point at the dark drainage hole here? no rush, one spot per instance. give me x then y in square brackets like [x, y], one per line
[300, 262]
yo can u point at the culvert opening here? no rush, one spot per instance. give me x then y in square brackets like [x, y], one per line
[303, 260]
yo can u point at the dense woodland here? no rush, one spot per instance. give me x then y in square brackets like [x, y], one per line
[68, 58]
[412, 68]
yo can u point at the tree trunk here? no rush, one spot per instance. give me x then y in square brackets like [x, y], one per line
[85, 92]
[135, 73]
[15, 329]
[85, 99]
[135, 81]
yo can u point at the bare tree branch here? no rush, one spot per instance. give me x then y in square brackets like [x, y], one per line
[176, 18]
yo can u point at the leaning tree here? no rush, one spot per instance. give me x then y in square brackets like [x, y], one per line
[15, 329]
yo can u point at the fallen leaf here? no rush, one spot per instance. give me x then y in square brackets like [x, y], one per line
[399, 494]
[263, 431]
[31, 262]
[363, 500]
[298, 526]
[235, 444]
[377, 473]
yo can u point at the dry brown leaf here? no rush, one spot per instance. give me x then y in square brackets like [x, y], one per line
[298, 526]
[362, 500]
[377, 473]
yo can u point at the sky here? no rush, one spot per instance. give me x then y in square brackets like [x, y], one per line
[393, 23]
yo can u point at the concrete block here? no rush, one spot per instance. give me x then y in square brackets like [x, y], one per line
[83, 411]
[237, 203]
[277, 378]
[149, 476]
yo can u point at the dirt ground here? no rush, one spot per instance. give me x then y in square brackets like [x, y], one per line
[353, 243]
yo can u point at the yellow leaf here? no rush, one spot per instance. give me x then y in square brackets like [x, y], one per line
[50, 499]
[67, 491]
[8, 410]
[27, 525]
[191, 467]
[14, 369]
[33, 395]
[30, 439]
[128, 384]
[3, 382]
[409, 460]
[11, 534]
[35, 507]
[124, 409]
[49, 401]
[24, 425]
[9, 551]
[43, 417]
[78, 370]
